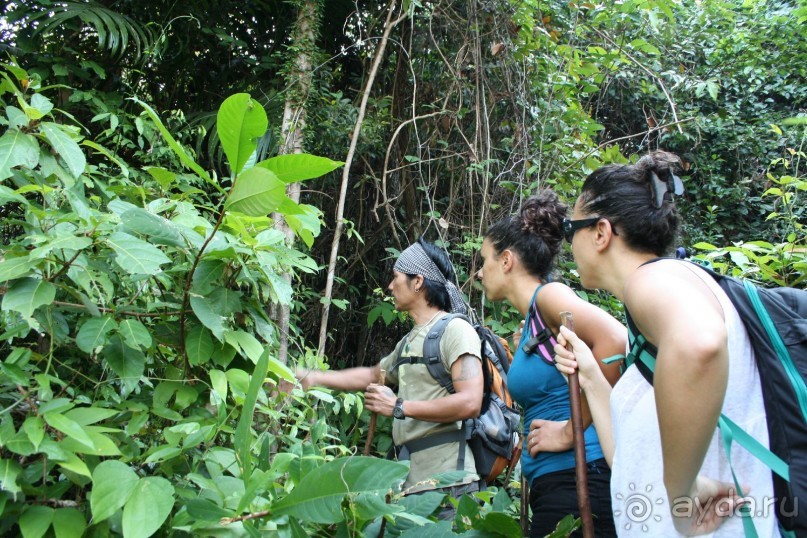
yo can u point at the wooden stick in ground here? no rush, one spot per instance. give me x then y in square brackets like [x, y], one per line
[382, 380]
[583, 501]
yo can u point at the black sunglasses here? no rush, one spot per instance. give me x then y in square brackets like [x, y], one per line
[571, 226]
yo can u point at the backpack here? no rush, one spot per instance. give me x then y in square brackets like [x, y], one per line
[543, 341]
[494, 436]
[777, 328]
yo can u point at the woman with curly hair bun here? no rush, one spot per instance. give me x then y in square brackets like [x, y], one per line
[662, 438]
[518, 255]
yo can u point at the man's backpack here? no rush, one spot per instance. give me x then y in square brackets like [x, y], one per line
[494, 434]
[776, 321]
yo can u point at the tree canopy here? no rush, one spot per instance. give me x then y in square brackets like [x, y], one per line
[143, 174]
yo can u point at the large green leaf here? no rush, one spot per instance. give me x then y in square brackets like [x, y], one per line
[416, 510]
[372, 505]
[318, 496]
[257, 192]
[66, 147]
[12, 268]
[135, 334]
[69, 427]
[128, 363]
[243, 438]
[41, 103]
[68, 523]
[248, 345]
[34, 428]
[135, 256]
[218, 382]
[206, 310]
[73, 463]
[176, 147]
[240, 122]
[161, 231]
[281, 370]
[8, 195]
[103, 445]
[500, 524]
[90, 415]
[441, 529]
[214, 308]
[148, 507]
[305, 221]
[198, 345]
[35, 521]
[299, 166]
[63, 241]
[112, 484]
[93, 334]
[17, 149]
[164, 177]
[9, 471]
[206, 274]
[28, 294]
[205, 510]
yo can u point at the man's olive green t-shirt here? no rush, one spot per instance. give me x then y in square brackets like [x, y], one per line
[416, 383]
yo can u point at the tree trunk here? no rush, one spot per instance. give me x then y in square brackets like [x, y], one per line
[299, 85]
[340, 208]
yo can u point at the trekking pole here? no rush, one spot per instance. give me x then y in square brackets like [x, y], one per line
[583, 502]
[382, 380]
[524, 512]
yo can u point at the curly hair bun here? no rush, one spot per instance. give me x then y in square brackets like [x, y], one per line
[543, 215]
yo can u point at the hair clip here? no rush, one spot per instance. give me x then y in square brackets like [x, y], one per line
[673, 185]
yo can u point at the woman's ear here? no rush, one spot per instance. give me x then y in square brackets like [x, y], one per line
[604, 234]
[507, 259]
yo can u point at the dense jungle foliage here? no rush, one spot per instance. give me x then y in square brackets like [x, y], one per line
[146, 168]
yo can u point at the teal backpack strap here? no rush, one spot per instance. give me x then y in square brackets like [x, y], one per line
[613, 358]
[640, 351]
[781, 350]
[727, 435]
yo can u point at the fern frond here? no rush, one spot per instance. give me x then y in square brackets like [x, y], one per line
[115, 31]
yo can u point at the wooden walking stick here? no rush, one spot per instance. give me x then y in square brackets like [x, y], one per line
[382, 380]
[583, 502]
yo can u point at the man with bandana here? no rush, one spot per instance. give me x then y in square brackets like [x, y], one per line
[428, 419]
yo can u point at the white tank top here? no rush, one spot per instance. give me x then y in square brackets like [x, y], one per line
[638, 496]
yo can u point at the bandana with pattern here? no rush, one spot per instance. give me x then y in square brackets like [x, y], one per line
[415, 261]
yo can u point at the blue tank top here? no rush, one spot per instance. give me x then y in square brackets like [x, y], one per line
[542, 392]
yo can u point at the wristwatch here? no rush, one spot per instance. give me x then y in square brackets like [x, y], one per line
[398, 411]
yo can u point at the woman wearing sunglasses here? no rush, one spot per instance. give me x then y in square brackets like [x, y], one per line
[518, 255]
[666, 446]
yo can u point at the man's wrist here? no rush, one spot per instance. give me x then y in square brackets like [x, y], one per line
[307, 377]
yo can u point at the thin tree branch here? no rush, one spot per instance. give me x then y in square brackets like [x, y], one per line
[120, 312]
[650, 72]
[615, 140]
[340, 210]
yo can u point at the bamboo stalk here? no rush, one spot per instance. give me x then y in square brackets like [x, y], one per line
[583, 501]
[382, 380]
